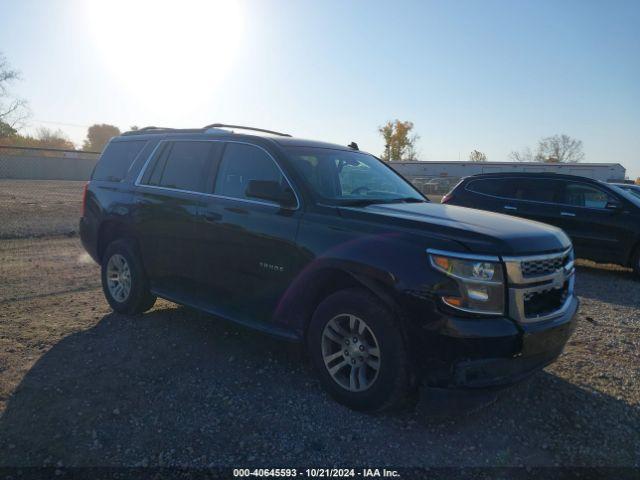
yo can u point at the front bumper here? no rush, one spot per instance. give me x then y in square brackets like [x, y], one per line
[492, 356]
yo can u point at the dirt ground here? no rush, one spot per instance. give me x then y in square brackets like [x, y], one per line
[81, 386]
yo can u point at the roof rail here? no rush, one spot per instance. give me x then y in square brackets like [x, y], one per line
[154, 128]
[151, 130]
[240, 127]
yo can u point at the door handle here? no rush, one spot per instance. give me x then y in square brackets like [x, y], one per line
[509, 207]
[567, 214]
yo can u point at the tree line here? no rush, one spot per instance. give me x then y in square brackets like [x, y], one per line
[14, 112]
[400, 145]
[399, 136]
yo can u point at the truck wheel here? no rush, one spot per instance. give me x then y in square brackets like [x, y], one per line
[124, 282]
[358, 351]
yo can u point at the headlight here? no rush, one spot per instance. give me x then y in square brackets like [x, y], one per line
[480, 281]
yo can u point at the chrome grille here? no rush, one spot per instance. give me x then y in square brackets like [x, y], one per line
[541, 286]
[536, 268]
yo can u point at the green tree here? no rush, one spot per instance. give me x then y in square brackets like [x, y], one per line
[7, 130]
[477, 156]
[98, 135]
[400, 142]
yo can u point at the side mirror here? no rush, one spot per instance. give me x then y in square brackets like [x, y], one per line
[272, 191]
[613, 205]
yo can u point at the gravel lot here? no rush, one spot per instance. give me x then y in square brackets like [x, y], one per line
[81, 386]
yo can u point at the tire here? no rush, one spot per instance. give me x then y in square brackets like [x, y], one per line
[387, 387]
[120, 259]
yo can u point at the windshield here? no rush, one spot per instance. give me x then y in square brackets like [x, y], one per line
[350, 178]
[630, 192]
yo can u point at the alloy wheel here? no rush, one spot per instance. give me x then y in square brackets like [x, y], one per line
[351, 352]
[119, 278]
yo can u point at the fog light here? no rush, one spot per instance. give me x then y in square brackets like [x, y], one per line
[479, 294]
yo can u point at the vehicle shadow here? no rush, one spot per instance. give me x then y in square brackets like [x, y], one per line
[176, 387]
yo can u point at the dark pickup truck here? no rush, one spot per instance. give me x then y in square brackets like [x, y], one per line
[326, 245]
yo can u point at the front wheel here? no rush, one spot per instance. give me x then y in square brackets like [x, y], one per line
[124, 281]
[358, 351]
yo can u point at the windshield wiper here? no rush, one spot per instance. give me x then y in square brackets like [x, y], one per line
[362, 202]
[407, 200]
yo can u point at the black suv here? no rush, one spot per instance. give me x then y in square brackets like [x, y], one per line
[326, 245]
[602, 219]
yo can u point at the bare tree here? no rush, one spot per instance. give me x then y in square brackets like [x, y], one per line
[399, 142]
[53, 139]
[559, 149]
[523, 155]
[477, 156]
[13, 111]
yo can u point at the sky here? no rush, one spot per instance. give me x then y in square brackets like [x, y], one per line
[489, 75]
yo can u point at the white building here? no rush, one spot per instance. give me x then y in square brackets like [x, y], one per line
[439, 177]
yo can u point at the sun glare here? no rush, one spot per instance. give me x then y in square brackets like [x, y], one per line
[168, 53]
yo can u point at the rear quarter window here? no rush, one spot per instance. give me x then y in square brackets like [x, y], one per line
[116, 160]
[496, 187]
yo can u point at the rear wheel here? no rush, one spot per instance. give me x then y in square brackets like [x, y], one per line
[358, 351]
[124, 281]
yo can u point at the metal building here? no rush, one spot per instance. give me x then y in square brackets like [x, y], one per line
[438, 177]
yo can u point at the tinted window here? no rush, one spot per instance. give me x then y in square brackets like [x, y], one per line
[240, 164]
[116, 160]
[518, 188]
[153, 175]
[498, 187]
[536, 190]
[583, 195]
[183, 166]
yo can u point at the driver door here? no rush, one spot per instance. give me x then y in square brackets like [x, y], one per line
[248, 245]
[597, 231]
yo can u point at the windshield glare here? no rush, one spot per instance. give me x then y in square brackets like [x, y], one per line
[344, 177]
[629, 193]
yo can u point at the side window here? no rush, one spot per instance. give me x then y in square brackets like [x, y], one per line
[183, 166]
[116, 160]
[240, 164]
[536, 190]
[583, 195]
[497, 187]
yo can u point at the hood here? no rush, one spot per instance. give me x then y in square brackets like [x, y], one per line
[478, 230]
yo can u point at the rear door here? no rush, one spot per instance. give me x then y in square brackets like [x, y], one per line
[597, 232]
[536, 199]
[167, 201]
[249, 245]
[486, 194]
